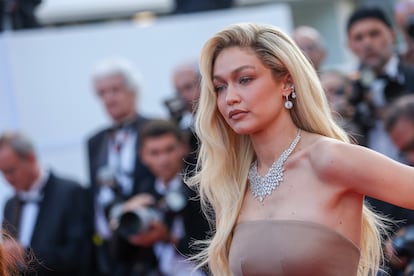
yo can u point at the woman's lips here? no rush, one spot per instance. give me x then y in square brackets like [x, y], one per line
[236, 114]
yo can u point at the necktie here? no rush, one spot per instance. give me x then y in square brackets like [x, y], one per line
[18, 210]
[17, 215]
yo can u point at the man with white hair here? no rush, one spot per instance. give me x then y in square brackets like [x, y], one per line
[186, 82]
[114, 164]
[311, 43]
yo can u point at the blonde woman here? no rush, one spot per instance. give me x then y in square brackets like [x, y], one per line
[285, 186]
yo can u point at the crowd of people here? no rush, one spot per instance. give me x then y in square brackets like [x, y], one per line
[270, 164]
[137, 217]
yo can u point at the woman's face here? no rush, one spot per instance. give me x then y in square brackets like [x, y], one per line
[248, 96]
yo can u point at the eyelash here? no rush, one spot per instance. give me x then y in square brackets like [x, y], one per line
[245, 80]
[242, 81]
[219, 88]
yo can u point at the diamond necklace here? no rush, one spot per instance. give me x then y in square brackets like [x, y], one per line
[262, 186]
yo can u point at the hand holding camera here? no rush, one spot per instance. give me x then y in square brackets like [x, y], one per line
[157, 231]
[134, 216]
[140, 220]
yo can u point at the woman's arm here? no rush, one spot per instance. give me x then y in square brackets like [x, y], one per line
[366, 172]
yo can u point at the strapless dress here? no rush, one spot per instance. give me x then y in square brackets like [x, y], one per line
[291, 248]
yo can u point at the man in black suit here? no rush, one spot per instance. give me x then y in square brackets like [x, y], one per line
[179, 221]
[46, 215]
[113, 155]
[186, 81]
[381, 78]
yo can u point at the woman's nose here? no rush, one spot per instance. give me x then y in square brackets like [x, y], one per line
[232, 95]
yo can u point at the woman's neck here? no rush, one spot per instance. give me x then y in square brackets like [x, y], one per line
[272, 142]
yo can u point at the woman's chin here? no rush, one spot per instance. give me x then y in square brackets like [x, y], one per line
[243, 130]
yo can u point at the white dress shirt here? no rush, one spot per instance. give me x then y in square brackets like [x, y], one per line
[121, 157]
[171, 262]
[378, 138]
[30, 209]
[121, 160]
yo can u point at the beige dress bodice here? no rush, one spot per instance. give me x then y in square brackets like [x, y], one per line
[291, 248]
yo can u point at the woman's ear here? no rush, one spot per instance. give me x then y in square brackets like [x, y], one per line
[287, 85]
[289, 80]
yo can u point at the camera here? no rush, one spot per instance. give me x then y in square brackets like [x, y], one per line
[403, 244]
[138, 220]
[176, 108]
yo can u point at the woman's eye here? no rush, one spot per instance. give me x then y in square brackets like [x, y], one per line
[219, 88]
[245, 80]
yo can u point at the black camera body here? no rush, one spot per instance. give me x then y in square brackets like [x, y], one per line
[139, 220]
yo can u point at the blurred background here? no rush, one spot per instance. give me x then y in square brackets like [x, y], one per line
[49, 47]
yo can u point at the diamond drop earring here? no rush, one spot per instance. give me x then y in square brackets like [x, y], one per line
[292, 91]
[288, 103]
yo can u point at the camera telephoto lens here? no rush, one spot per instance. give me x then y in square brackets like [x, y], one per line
[129, 224]
[136, 222]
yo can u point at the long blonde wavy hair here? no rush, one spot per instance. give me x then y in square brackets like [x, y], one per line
[225, 157]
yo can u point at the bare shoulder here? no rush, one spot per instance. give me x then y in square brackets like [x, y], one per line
[327, 155]
[360, 170]
[321, 147]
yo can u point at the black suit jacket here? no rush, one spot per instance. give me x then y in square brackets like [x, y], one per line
[98, 157]
[60, 237]
[195, 224]
[98, 154]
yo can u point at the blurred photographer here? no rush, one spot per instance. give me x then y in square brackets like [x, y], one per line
[186, 80]
[338, 90]
[399, 123]
[167, 217]
[381, 76]
[115, 168]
